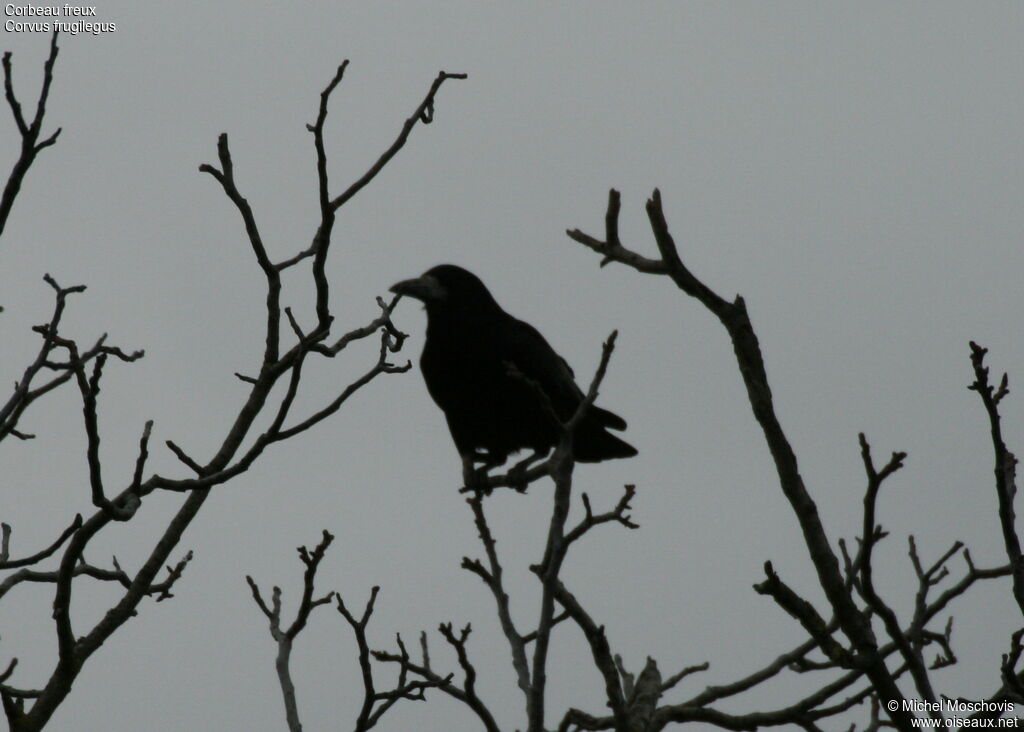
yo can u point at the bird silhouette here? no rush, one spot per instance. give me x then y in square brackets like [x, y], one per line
[486, 370]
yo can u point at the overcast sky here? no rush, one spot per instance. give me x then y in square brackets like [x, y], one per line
[854, 170]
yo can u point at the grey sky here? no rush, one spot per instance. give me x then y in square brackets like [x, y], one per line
[854, 170]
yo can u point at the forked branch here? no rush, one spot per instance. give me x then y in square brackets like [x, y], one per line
[30, 130]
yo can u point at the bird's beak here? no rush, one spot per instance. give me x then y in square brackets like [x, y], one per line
[426, 288]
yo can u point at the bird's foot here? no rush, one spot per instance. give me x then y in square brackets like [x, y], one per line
[474, 478]
[517, 478]
[517, 473]
[477, 482]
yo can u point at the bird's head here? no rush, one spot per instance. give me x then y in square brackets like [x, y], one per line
[427, 288]
[445, 283]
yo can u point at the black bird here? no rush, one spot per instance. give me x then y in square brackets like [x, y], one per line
[478, 362]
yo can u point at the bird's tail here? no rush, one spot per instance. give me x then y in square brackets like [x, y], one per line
[606, 418]
[593, 443]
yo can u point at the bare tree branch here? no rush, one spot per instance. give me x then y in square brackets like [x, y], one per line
[29, 131]
[599, 648]
[493, 578]
[226, 177]
[619, 514]
[752, 369]
[911, 657]
[1005, 466]
[284, 637]
[84, 569]
[228, 459]
[467, 694]
[6, 563]
[805, 614]
[24, 393]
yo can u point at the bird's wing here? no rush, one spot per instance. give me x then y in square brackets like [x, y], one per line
[529, 352]
[534, 357]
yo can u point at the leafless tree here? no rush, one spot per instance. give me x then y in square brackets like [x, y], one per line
[62, 359]
[858, 653]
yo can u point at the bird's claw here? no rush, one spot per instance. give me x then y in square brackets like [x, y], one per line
[475, 479]
[517, 477]
[478, 482]
[517, 474]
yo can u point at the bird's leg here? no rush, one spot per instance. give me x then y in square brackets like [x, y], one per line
[468, 474]
[517, 474]
[474, 477]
